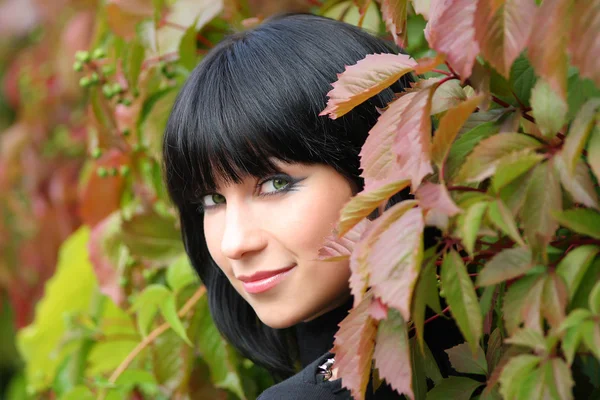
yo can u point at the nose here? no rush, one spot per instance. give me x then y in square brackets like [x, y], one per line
[242, 235]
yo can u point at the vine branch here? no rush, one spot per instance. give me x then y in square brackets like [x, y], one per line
[192, 301]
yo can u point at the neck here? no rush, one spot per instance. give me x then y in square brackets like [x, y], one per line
[315, 337]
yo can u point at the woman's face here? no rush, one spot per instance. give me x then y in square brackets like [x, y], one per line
[265, 235]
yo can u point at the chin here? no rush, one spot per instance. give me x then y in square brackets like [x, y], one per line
[278, 322]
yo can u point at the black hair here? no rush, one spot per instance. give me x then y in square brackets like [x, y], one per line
[256, 96]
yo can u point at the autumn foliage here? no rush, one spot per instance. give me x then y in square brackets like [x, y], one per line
[498, 141]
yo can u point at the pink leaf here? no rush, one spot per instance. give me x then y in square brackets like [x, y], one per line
[395, 257]
[104, 249]
[451, 31]
[548, 42]
[392, 354]
[376, 158]
[584, 45]
[432, 196]
[502, 29]
[359, 266]
[365, 79]
[378, 310]
[412, 144]
[340, 248]
[353, 348]
[393, 13]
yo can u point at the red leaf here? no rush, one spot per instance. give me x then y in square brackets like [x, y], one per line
[584, 45]
[353, 348]
[392, 354]
[339, 248]
[393, 13]
[548, 42]
[376, 158]
[104, 250]
[359, 265]
[502, 29]
[412, 144]
[450, 31]
[395, 257]
[365, 79]
[432, 196]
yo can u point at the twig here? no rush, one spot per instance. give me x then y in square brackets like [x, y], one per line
[154, 334]
[441, 71]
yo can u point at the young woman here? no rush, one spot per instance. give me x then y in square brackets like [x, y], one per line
[259, 179]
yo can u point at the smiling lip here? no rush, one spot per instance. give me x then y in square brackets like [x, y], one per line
[264, 280]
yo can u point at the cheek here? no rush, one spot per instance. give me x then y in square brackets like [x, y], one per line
[213, 234]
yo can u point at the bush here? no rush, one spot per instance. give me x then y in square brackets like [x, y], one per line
[509, 179]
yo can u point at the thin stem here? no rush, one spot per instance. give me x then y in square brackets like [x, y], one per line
[436, 316]
[364, 13]
[154, 334]
[441, 71]
[451, 69]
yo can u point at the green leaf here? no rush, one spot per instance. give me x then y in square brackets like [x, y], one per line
[578, 133]
[449, 126]
[594, 152]
[580, 220]
[426, 294]
[181, 274]
[580, 91]
[595, 299]
[485, 301]
[581, 297]
[39, 342]
[133, 377]
[489, 153]
[590, 333]
[515, 373]
[364, 203]
[560, 380]
[171, 359]
[146, 305]
[513, 167]
[502, 218]
[455, 388]
[419, 374]
[579, 185]
[107, 356]
[494, 349]
[465, 143]
[168, 309]
[470, 223]
[529, 338]
[218, 354]
[548, 109]
[508, 264]
[543, 198]
[522, 79]
[153, 237]
[515, 298]
[392, 353]
[571, 342]
[78, 393]
[462, 299]
[463, 360]
[574, 265]
[132, 63]
[188, 56]
[554, 299]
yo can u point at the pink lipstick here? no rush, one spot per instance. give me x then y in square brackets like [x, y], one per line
[264, 280]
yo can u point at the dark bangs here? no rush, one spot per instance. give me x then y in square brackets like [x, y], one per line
[257, 96]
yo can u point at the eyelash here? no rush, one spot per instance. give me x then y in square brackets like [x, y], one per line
[291, 186]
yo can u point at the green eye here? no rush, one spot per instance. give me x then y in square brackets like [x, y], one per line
[280, 183]
[211, 200]
[275, 185]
